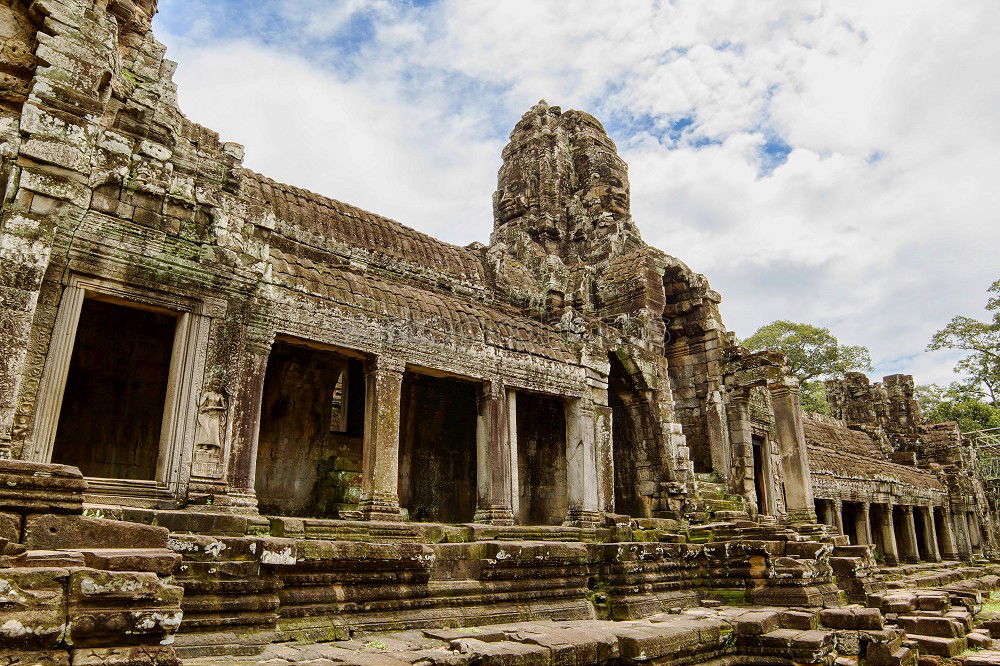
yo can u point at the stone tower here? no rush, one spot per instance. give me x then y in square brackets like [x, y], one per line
[561, 208]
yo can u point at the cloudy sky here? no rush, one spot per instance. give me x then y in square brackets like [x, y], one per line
[834, 162]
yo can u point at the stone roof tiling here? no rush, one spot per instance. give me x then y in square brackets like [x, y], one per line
[429, 310]
[847, 465]
[839, 438]
[354, 226]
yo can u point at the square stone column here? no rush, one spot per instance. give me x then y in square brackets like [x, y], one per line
[975, 532]
[910, 550]
[794, 462]
[581, 464]
[961, 525]
[838, 515]
[380, 464]
[863, 525]
[930, 533]
[493, 456]
[949, 547]
[824, 512]
[246, 422]
[887, 532]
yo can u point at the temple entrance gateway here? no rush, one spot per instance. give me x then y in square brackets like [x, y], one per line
[541, 459]
[636, 458]
[111, 420]
[311, 432]
[437, 448]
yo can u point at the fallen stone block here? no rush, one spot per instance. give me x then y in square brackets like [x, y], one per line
[930, 626]
[28, 487]
[32, 608]
[60, 532]
[501, 653]
[795, 619]
[157, 560]
[755, 623]
[939, 645]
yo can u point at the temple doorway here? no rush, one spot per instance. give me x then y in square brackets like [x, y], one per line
[311, 432]
[437, 448]
[112, 413]
[541, 459]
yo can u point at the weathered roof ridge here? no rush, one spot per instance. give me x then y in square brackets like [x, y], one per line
[362, 228]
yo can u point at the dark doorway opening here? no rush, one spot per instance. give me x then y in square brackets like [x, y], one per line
[907, 550]
[541, 460]
[760, 475]
[850, 516]
[918, 524]
[311, 432]
[437, 449]
[111, 417]
[635, 459]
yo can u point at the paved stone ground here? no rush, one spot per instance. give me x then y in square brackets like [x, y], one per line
[527, 643]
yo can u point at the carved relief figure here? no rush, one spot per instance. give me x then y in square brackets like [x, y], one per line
[210, 435]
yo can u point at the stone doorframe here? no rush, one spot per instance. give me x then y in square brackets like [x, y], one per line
[187, 364]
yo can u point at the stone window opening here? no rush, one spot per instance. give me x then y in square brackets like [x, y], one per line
[437, 448]
[112, 416]
[311, 431]
[339, 404]
[543, 485]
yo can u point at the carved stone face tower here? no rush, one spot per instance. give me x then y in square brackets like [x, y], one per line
[562, 181]
[562, 195]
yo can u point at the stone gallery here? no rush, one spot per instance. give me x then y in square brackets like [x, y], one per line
[242, 422]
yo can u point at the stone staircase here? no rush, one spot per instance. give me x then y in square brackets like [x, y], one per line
[715, 503]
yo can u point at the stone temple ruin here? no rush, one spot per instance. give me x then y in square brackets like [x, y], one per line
[243, 422]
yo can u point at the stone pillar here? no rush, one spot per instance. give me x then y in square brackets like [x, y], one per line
[930, 534]
[493, 456]
[838, 515]
[888, 535]
[910, 550]
[949, 547]
[863, 525]
[48, 401]
[249, 381]
[515, 484]
[824, 511]
[962, 534]
[976, 530]
[794, 463]
[380, 465]
[716, 436]
[581, 465]
[604, 450]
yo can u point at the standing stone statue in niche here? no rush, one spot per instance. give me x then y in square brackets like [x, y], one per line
[211, 431]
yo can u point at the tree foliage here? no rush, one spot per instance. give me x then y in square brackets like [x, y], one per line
[813, 353]
[981, 339]
[974, 401]
[959, 402]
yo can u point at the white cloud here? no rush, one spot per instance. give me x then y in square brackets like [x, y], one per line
[882, 223]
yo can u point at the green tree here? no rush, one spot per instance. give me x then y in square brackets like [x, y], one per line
[813, 353]
[959, 402]
[981, 339]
